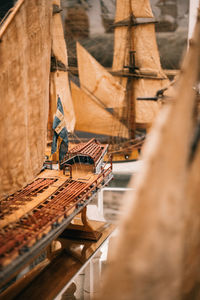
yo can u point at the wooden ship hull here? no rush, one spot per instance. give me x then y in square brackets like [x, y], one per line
[34, 216]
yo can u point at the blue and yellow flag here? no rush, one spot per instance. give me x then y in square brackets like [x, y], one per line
[60, 130]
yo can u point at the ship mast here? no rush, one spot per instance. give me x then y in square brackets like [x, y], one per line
[136, 62]
[130, 100]
[125, 62]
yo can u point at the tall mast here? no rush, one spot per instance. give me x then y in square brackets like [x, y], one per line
[136, 61]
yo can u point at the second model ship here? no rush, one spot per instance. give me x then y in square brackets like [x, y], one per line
[122, 104]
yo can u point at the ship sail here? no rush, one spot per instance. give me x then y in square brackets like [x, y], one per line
[59, 75]
[98, 81]
[136, 74]
[158, 248]
[24, 94]
[135, 49]
[88, 112]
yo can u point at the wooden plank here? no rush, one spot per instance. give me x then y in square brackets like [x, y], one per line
[36, 200]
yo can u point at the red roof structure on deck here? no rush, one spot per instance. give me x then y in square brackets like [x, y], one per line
[92, 149]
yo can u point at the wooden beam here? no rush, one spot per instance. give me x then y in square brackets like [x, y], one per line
[169, 73]
[135, 22]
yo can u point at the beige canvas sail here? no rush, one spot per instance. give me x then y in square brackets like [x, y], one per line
[157, 253]
[191, 261]
[59, 78]
[24, 92]
[96, 80]
[121, 40]
[92, 116]
[142, 40]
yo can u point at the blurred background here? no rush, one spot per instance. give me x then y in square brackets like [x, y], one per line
[90, 22]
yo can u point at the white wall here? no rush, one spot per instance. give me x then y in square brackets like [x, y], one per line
[192, 16]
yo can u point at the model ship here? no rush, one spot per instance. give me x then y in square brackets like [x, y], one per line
[122, 104]
[35, 206]
[159, 238]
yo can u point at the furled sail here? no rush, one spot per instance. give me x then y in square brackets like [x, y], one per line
[92, 117]
[157, 256]
[96, 80]
[135, 49]
[59, 74]
[24, 92]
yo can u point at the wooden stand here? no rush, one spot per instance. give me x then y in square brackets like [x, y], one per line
[81, 229]
[47, 279]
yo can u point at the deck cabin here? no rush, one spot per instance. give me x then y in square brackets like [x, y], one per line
[85, 158]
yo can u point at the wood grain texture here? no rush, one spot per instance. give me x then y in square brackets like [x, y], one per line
[28, 206]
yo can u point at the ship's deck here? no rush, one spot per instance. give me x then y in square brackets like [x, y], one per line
[40, 212]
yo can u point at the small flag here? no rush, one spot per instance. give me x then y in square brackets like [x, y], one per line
[60, 130]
